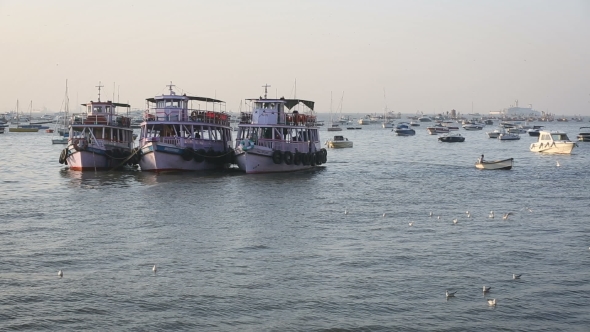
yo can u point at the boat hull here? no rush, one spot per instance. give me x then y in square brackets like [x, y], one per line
[504, 164]
[339, 145]
[93, 159]
[257, 161]
[160, 158]
[555, 147]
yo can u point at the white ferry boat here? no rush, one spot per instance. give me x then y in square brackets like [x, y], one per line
[553, 142]
[99, 138]
[270, 139]
[175, 137]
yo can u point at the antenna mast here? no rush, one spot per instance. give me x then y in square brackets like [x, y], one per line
[99, 86]
[266, 86]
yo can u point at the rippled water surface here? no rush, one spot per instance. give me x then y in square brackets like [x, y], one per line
[276, 252]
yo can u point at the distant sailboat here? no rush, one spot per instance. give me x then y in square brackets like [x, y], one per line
[22, 128]
[61, 124]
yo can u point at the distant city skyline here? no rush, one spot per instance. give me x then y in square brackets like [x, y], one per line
[408, 56]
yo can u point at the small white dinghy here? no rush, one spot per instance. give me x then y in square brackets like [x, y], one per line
[494, 164]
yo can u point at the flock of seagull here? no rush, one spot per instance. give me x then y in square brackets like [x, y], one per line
[486, 289]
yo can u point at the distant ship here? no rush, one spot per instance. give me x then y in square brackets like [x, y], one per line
[515, 110]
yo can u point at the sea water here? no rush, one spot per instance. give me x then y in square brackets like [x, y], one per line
[276, 252]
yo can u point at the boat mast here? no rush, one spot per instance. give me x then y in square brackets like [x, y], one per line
[99, 86]
[266, 86]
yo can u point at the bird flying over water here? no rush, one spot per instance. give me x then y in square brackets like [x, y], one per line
[486, 289]
[516, 276]
[411, 223]
[506, 215]
[450, 294]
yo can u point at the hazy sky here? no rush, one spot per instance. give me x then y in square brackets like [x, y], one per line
[430, 56]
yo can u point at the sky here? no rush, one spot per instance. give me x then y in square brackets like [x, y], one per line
[409, 56]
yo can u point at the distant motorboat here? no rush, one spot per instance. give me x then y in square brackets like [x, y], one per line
[495, 133]
[535, 131]
[472, 126]
[437, 129]
[451, 138]
[553, 142]
[506, 136]
[584, 136]
[339, 142]
[403, 129]
[494, 164]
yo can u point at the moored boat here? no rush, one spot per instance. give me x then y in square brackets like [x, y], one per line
[494, 164]
[404, 129]
[535, 131]
[175, 136]
[437, 129]
[339, 142]
[451, 138]
[271, 139]
[100, 138]
[472, 126]
[553, 142]
[495, 133]
[584, 135]
[506, 136]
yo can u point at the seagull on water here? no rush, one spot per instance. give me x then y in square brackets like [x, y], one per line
[345, 211]
[558, 164]
[411, 223]
[469, 215]
[450, 294]
[455, 221]
[486, 289]
[431, 214]
[516, 276]
[438, 217]
[466, 212]
[491, 214]
[60, 274]
[384, 214]
[506, 215]
[155, 269]
[492, 302]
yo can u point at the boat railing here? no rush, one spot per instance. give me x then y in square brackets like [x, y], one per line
[196, 115]
[101, 119]
[282, 145]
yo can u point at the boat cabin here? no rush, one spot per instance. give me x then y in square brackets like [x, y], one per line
[553, 136]
[340, 138]
[173, 107]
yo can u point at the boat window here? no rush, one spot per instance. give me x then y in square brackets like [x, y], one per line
[89, 109]
[161, 104]
[560, 137]
[97, 109]
[172, 103]
[108, 109]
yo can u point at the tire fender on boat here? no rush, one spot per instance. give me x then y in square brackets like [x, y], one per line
[63, 156]
[288, 157]
[199, 155]
[277, 157]
[324, 155]
[312, 159]
[187, 154]
[297, 158]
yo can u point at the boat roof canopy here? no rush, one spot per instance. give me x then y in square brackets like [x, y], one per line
[289, 103]
[205, 99]
[106, 103]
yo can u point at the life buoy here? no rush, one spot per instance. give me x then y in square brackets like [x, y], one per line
[288, 157]
[297, 158]
[193, 116]
[277, 157]
[80, 144]
[187, 154]
[246, 144]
